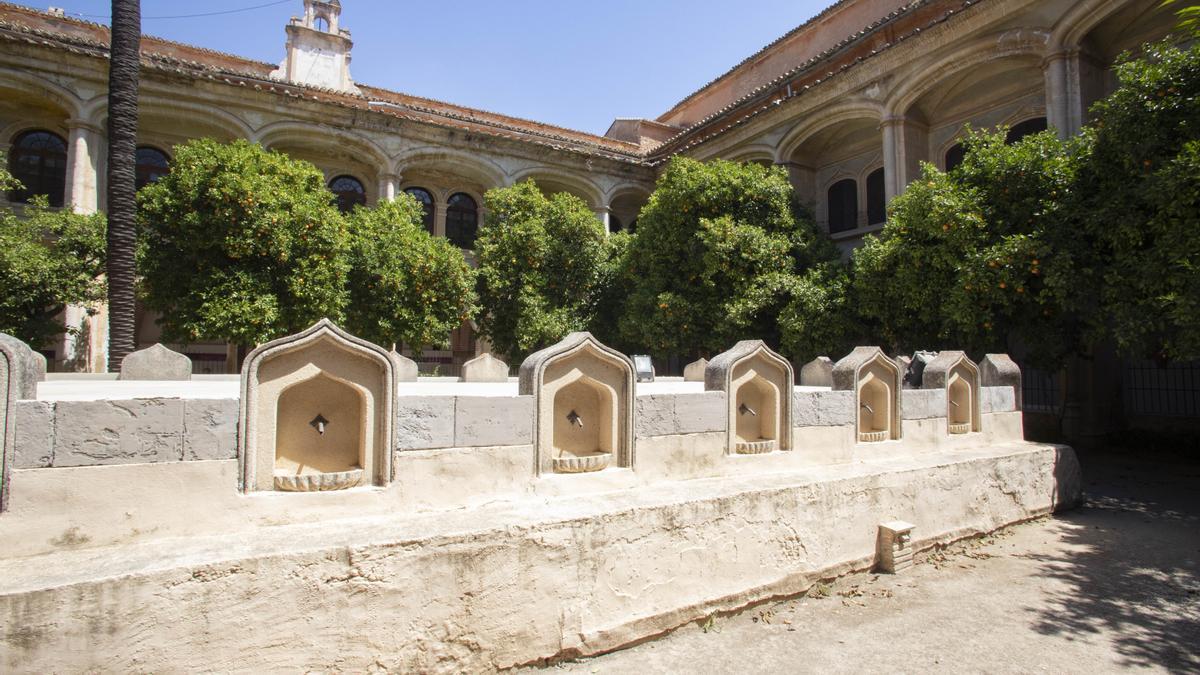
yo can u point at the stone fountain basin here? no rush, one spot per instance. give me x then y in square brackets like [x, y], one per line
[872, 436]
[582, 464]
[318, 482]
[760, 447]
[962, 428]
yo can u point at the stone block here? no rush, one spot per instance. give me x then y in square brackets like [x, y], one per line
[34, 437]
[485, 368]
[88, 433]
[921, 404]
[156, 363]
[406, 369]
[493, 421]
[997, 399]
[700, 412]
[210, 429]
[694, 371]
[999, 370]
[30, 367]
[817, 373]
[424, 422]
[654, 415]
[823, 408]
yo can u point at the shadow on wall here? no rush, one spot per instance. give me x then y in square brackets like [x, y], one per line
[1134, 569]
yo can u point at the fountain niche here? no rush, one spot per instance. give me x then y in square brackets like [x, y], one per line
[317, 413]
[758, 386]
[875, 379]
[583, 401]
[959, 376]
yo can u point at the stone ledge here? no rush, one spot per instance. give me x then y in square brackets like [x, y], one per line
[532, 579]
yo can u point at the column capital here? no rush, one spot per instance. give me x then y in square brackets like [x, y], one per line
[75, 123]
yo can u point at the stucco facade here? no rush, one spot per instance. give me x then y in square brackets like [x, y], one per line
[851, 103]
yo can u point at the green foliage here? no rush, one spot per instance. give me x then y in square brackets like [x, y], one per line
[240, 244]
[405, 285]
[715, 257]
[966, 259]
[49, 258]
[821, 317]
[541, 261]
[1138, 210]
[1189, 17]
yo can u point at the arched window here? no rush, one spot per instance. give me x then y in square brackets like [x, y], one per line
[152, 164]
[349, 192]
[39, 160]
[462, 220]
[843, 206]
[426, 200]
[876, 198]
[954, 156]
[1026, 128]
[614, 223]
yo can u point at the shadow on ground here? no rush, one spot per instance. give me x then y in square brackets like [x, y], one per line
[1131, 569]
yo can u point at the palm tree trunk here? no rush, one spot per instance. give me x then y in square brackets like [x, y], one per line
[125, 60]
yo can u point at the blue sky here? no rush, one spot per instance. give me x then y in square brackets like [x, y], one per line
[571, 63]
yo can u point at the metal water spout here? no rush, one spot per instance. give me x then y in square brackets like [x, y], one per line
[319, 423]
[747, 410]
[869, 408]
[574, 418]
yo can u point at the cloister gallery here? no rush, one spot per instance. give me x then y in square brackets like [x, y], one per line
[850, 103]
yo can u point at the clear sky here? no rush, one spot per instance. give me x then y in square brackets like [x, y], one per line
[575, 63]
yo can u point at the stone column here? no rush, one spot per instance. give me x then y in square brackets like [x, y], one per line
[603, 214]
[83, 162]
[904, 145]
[389, 187]
[85, 348]
[1056, 69]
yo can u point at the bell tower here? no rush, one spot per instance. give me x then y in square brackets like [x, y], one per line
[318, 49]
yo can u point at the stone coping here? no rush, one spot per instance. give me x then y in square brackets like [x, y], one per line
[77, 388]
[66, 567]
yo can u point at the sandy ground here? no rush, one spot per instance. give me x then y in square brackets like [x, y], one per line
[1112, 586]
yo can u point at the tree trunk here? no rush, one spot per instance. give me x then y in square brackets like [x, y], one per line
[123, 73]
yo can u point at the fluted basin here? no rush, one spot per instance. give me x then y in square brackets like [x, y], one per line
[872, 436]
[582, 464]
[962, 428]
[318, 482]
[754, 447]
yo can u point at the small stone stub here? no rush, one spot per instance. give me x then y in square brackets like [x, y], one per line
[485, 368]
[694, 371]
[895, 547]
[817, 373]
[156, 363]
[28, 367]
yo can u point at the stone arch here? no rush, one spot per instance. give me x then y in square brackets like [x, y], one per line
[758, 386]
[821, 120]
[1072, 29]
[27, 86]
[756, 152]
[875, 380]
[364, 376]
[477, 168]
[334, 151]
[935, 72]
[583, 395]
[552, 180]
[625, 204]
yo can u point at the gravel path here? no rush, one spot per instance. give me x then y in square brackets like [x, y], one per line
[1112, 586]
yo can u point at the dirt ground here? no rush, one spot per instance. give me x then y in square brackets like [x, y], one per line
[1114, 585]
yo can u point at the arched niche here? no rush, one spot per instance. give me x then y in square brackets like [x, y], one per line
[959, 376]
[583, 401]
[758, 387]
[317, 413]
[875, 381]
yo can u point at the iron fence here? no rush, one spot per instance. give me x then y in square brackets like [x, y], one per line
[1171, 390]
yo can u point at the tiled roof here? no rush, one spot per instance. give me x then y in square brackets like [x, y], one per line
[41, 28]
[910, 20]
